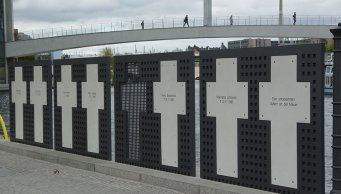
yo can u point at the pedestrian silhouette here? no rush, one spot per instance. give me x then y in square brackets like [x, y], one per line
[186, 21]
[222, 46]
[142, 24]
[231, 20]
[294, 18]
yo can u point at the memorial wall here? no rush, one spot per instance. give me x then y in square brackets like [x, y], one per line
[261, 113]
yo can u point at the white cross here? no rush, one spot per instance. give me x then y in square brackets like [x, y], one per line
[19, 97]
[67, 99]
[38, 97]
[285, 102]
[93, 101]
[227, 100]
[169, 100]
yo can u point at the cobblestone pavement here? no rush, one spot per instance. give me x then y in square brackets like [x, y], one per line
[22, 175]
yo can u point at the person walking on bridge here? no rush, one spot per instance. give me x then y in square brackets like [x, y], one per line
[142, 24]
[294, 18]
[231, 20]
[186, 21]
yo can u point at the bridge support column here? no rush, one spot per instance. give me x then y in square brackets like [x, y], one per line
[280, 20]
[337, 112]
[207, 12]
[9, 20]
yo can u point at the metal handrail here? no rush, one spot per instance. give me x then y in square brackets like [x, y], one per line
[165, 23]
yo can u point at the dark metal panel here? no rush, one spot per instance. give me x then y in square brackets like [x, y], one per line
[141, 145]
[254, 136]
[28, 108]
[79, 114]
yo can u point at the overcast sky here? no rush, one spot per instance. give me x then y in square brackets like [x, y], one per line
[38, 14]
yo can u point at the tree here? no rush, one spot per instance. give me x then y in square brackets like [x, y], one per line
[330, 47]
[107, 52]
[324, 41]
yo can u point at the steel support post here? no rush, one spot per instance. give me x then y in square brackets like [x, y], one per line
[337, 112]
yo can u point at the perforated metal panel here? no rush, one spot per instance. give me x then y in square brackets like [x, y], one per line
[254, 135]
[89, 80]
[31, 103]
[138, 127]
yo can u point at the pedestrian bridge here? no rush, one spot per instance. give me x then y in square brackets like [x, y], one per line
[56, 39]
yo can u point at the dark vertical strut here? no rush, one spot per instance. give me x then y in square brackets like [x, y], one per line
[337, 112]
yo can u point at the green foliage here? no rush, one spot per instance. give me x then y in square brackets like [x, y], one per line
[27, 58]
[108, 52]
[324, 41]
[330, 47]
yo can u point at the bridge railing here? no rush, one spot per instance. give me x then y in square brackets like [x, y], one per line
[177, 23]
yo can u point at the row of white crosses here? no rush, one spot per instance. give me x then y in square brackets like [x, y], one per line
[283, 101]
[227, 100]
[92, 100]
[38, 97]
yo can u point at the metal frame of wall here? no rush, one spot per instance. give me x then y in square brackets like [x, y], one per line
[337, 112]
[254, 136]
[138, 128]
[79, 114]
[2, 37]
[28, 108]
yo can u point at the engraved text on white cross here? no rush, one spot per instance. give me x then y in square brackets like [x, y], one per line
[285, 102]
[227, 100]
[93, 101]
[170, 101]
[66, 99]
[38, 97]
[19, 97]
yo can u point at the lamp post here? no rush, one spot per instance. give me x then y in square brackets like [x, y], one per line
[280, 18]
[337, 112]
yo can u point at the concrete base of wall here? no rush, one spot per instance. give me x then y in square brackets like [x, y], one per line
[188, 185]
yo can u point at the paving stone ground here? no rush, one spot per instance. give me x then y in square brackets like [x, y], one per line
[22, 175]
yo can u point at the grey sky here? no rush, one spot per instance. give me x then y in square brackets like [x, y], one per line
[37, 14]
